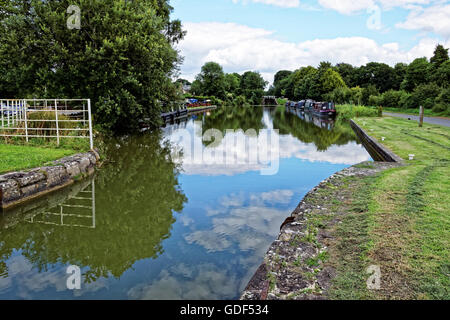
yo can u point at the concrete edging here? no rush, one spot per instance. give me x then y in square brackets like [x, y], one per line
[376, 150]
[21, 186]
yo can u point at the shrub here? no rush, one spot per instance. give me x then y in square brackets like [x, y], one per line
[350, 111]
[43, 121]
[425, 95]
[374, 100]
[442, 103]
[391, 98]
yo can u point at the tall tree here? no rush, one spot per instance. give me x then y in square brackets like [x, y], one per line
[439, 57]
[378, 74]
[252, 86]
[212, 79]
[348, 73]
[416, 74]
[122, 57]
[280, 75]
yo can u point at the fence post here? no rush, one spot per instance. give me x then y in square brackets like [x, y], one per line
[91, 140]
[7, 110]
[421, 116]
[1, 110]
[57, 125]
[26, 122]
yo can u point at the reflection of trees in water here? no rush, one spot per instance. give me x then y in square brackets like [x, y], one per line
[245, 117]
[135, 198]
[315, 131]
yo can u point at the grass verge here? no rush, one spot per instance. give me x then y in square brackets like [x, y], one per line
[399, 220]
[17, 157]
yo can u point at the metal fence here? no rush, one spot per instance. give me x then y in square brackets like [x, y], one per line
[46, 118]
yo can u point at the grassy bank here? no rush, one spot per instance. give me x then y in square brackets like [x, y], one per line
[390, 216]
[399, 219]
[17, 157]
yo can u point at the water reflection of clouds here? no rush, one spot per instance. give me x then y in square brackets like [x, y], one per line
[200, 282]
[247, 227]
[243, 222]
[237, 155]
[27, 283]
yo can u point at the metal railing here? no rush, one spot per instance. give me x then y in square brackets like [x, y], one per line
[60, 118]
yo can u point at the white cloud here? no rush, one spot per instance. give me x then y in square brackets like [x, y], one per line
[278, 3]
[433, 19]
[346, 6]
[239, 48]
[356, 6]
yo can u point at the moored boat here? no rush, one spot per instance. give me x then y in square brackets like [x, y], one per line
[324, 109]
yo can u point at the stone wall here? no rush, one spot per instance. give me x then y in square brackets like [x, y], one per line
[17, 187]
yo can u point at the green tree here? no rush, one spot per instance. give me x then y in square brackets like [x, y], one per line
[439, 57]
[122, 57]
[348, 73]
[400, 73]
[297, 79]
[331, 80]
[442, 103]
[425, 95]
[442, 75]
[280, 75]
[232, 83]
[378, 74]
[252, 86]
[356, 95]
[368, 91]
[212, 80]
[416, 74]
[196, 88]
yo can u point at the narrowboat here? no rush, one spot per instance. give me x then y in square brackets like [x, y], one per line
[309, 105]
[301, 105]
[324, 109]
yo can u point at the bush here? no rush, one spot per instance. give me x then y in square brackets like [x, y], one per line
[350, 111]
[339, 95]
[391, 98]
[425, 95]
[46, 120]
[374, 100]
[442, 103]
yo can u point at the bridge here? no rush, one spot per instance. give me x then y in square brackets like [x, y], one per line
[269, 101]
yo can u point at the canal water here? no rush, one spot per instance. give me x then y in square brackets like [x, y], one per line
[156, 223]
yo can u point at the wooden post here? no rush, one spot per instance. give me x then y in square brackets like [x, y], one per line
[421, 116]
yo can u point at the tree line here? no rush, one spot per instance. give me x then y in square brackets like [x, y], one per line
[422, 82]
[122, 57]
[228, 88]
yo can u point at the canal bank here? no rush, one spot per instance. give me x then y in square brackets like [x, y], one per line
[388, 216]
[19, 187]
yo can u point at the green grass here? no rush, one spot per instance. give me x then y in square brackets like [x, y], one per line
[400, 219]
[281, 101]
[17, 157]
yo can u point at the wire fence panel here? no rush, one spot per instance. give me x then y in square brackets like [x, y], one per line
[46, 118]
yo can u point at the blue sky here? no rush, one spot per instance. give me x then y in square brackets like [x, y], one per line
[269, 35]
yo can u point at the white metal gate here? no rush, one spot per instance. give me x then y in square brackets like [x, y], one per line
[17, 120]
